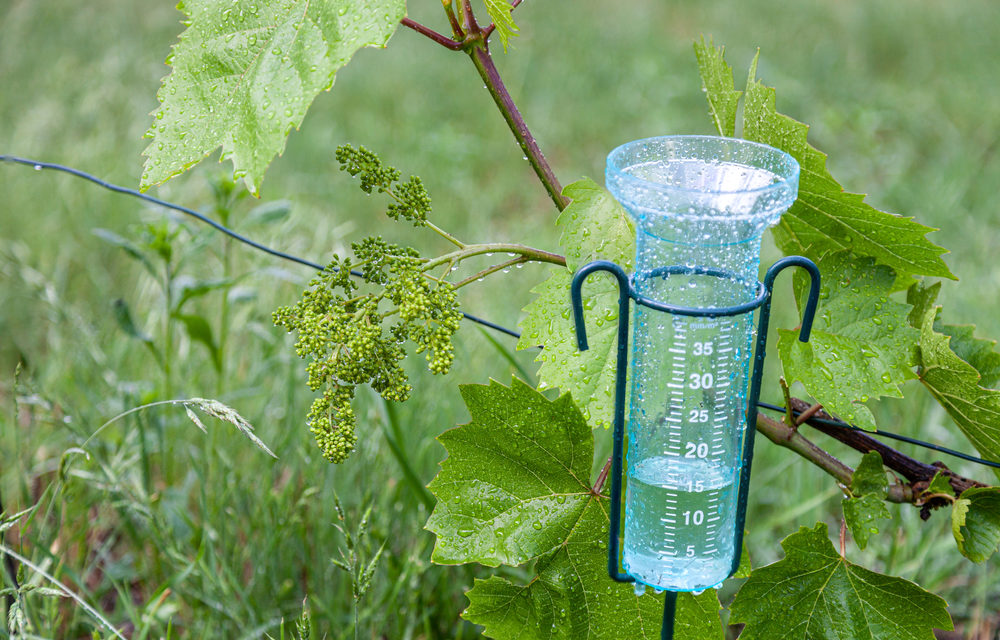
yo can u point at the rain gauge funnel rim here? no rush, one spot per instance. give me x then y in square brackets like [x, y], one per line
[756, 201]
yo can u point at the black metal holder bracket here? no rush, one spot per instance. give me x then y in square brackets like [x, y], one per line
[628, 293]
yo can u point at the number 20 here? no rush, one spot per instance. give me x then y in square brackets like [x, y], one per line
[699, 450]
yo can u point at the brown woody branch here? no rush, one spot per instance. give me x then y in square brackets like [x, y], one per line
[916, 475]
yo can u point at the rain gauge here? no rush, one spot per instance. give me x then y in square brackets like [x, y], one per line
[700, 206]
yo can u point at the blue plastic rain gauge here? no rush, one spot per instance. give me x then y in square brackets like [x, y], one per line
[700, 206]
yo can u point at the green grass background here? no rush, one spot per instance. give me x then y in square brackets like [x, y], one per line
[225, 542]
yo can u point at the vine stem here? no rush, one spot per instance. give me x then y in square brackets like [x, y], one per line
[439, 38]
[916, 473]
[480, 55]
[470, 250]
[490, 270]
[474, 40]
[601, 478]
[444, 234]
[784, 436]
[449, 10]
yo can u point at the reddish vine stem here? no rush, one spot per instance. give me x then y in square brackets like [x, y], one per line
[488, 71]
[488, 31]
[601, 478]
[439, 38]
[470, 18]
[475, 44]
[456, 28]
[808, 413]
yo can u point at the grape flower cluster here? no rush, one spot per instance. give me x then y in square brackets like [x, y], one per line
[352, 329]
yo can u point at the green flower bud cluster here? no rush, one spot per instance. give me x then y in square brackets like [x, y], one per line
[430, 314]
[366, 165]
[331, 420]
[412, 202]
[344, 333]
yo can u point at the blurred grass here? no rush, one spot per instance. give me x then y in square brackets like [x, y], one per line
[900, 94]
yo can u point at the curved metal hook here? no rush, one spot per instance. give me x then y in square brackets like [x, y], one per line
[809, 313]
[577, 299]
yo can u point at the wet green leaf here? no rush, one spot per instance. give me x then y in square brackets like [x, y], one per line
[954, 383]
[862, 516]
[717, 82]
[815, 594]
[866, 506]
[978, 352]
[869, 478]
[594, 226]
[697, 617]
[514, 487]
[940, 484]
[825, 218]
[245, 72]
[500, 14]
[517, 477]
[975, 521]
[861, 344]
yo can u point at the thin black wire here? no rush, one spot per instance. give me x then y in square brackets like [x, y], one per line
[39, 165]
[468, 316]
[887, 434]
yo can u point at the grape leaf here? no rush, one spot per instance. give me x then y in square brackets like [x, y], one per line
[869, 478]
[500, 14]
[594, 226]
[571, 597]
[517, 479]
[815, 594]
[940, 484]
[978, 352]
[515, 487]
[717, 83]
[825, 218]
[975, 521]
[862, 516]
[866, 506]
[954, 383]
[697, 616]
[245, 72]
[922, 298]
[861, 344]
